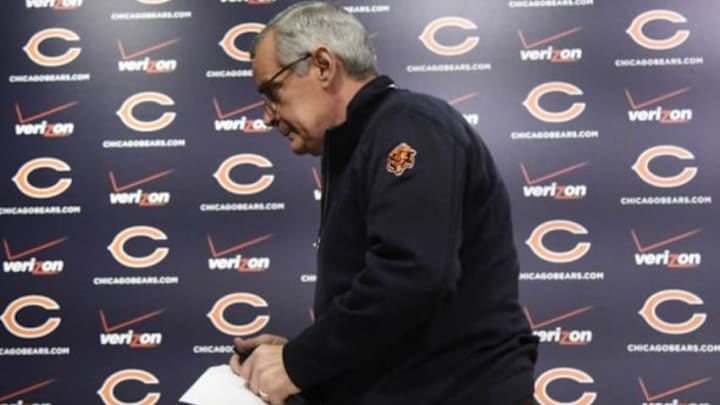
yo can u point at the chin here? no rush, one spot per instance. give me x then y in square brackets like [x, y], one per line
[305, 149]
[299, 150]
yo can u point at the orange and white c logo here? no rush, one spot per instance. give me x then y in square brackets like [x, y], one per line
[222, 174]
[117, 247]
[9, 319]
[32, 48]
[542, 382]
[217, 314]
[126, 111]
[535, 241]
[23, 183]
[532, 102]
[428, 36]
[635, 30]
[649, 312]
[107, 390]
[642, 166]
[227, 43]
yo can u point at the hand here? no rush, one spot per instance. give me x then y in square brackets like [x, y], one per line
[265, 373]
[250, 344]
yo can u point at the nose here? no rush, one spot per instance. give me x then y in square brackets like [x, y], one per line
[270, 115]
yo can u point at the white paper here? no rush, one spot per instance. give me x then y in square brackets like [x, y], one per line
[218, 385]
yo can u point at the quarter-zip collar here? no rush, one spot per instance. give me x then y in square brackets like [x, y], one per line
[342, 139]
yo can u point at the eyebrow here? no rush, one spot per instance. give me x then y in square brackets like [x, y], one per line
[270, 83]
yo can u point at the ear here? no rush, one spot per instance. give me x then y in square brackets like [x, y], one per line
[327, 64]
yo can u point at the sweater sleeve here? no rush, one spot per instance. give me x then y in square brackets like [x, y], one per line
[415, 177]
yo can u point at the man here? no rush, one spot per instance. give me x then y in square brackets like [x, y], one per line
[416, 295]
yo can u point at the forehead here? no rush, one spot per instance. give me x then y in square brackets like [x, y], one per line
[265, 64]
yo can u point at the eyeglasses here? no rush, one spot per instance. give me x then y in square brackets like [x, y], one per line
[269, 88]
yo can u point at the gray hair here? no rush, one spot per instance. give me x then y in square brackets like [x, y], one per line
[304, 26]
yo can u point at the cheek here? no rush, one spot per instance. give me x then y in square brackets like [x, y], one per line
[302, 120]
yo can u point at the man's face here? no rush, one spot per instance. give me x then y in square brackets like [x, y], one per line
[296, 105]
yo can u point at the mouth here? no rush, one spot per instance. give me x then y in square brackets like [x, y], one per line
[288, 133]
[284, 131]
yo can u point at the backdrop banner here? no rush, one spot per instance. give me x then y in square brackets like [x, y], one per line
[148, 215]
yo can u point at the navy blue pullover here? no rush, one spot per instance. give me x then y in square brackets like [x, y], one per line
[417, 278]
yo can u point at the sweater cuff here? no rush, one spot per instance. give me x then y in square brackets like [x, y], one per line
[296, 368]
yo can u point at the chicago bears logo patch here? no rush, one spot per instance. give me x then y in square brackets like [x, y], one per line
[401, 158]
